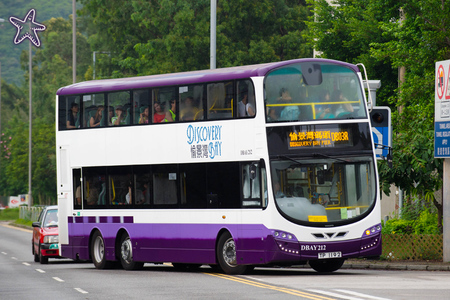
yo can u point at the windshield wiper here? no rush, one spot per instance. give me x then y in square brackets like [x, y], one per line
[328, 156]
[288, 158]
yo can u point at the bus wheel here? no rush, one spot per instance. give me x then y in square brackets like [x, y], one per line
[98, 252]
[328, 265]
[126, 254]
[226, 255]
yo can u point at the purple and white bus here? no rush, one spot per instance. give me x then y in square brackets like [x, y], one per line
[261, 165]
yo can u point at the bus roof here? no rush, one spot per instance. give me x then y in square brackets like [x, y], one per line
[193, 77]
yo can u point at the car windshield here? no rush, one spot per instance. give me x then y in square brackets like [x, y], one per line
[325, 190]
[51, 218]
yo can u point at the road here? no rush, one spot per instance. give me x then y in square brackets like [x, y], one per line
[21, 278]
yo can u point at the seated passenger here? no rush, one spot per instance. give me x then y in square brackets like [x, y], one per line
[119, 119]
[95, 120]
[72, 116]
[170, 115]
[245, 109]
[189, 110]
[344, 108]
[144, 116]
[159, 116]
[289, 112]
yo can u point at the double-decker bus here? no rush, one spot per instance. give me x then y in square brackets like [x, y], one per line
[262, 165]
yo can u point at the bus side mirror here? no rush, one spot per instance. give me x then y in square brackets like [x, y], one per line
[253, 169]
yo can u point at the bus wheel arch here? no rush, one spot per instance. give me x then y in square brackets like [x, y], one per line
[226, 254]
[124, 251]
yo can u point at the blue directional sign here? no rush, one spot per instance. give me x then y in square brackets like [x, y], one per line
[380, 117]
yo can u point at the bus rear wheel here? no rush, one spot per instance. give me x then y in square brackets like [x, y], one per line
[126, 255]
[226, 255]
[98, 252]
[326, 265]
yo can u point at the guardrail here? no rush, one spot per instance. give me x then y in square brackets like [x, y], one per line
[30, 213]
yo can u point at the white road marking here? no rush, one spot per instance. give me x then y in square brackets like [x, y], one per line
[333, 294]
[4, 253]
[15, 258]
[58, 279]
[361, 295]
[26, 264]
[40, 270]
[81, 291]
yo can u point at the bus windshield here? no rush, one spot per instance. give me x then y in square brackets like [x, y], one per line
[324, 190]
[311, 91]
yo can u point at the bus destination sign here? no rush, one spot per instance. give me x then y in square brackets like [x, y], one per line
[319, 138]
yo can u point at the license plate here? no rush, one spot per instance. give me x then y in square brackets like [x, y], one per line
[54, 246]
[324, 255]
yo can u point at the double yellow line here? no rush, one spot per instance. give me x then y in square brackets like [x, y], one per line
[270, 287]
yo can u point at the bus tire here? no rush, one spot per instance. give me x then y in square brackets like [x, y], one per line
[98, 252]
[126, 254]
[326, 265]
[226, 255]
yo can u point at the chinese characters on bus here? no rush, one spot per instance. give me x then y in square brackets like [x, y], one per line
[319, 138]
[205, 141]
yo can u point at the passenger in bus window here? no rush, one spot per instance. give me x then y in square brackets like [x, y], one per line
[139, 198]
[119, 119]
[170, 115]
[110, 115]
[159, 115]
[344, 108]
[245, 109]
[272, 115]
[92, 193]
[290, 112]
[128, 195]
[95, 120]
[78, 195]
[323, 111]
[72, 116]
[144, 116]
[189, 110]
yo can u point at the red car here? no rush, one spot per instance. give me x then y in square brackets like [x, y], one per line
[45, 235]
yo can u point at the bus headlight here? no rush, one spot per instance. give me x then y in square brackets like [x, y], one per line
[372, 230]
[51, 239]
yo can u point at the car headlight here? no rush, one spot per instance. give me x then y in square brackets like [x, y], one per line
[50, 239]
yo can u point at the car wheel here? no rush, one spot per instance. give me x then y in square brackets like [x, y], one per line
[327, 265]
[42, 259]
[36, 256]
[98, 252]
[126, 254]
[226, 255]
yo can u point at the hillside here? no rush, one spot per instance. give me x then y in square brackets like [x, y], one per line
[11, 71]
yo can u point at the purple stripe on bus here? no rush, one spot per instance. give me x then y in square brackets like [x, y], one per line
[195, 243]
[194, 77]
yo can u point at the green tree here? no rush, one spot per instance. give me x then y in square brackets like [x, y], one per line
[413, 40]
[173, 36]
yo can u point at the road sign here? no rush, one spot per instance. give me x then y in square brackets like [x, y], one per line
[380, 118]
[442, 110]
